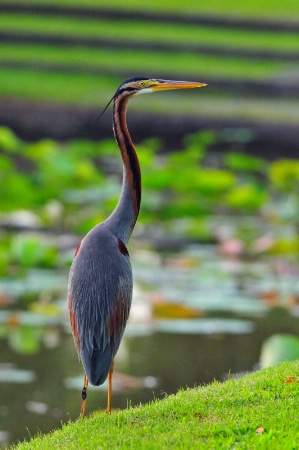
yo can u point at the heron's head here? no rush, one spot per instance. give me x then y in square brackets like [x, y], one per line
[143, 85]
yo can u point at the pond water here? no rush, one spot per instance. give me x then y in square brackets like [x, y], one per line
[197, 315]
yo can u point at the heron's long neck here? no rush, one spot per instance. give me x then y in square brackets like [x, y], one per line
[122, 220]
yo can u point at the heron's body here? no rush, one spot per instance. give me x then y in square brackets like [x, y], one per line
[102, 270]
[100, 282]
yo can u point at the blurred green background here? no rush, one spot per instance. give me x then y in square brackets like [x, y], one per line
[75, 53]
[215, 249]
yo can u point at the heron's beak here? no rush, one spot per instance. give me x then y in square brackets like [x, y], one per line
[163, 85]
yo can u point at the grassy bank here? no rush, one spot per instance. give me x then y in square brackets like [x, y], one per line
[52, 57]
[261, 8]
[153, 32]
[259, 411]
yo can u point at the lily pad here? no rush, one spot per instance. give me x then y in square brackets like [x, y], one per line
[279, 348]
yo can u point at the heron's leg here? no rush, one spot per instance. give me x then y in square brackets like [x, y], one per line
[110, 373]
[84, 395]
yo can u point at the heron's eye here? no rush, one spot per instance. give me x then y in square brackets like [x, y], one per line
[143, 84]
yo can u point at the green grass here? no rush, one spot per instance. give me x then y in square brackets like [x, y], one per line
[218, 416]
[95, 91]
[143, 62]
[253, 8]
[150, 32]
[89, 89]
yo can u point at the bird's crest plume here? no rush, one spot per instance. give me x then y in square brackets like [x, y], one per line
[106, 107]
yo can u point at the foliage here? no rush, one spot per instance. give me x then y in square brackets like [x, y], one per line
[285, 175]
[253, 7]
[258, 411]
[247, 197]
[173, 32]
[60, 73]
[65, 185]
[32, 251]
[279, 348]
[241, 162]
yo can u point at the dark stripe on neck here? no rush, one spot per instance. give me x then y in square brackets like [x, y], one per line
[122, 134]
[126, 89]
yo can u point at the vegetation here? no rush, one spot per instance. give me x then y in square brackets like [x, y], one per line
[53, 191]
[82, 73]
[170, 32]
[258, 411]
[66, 186]
[253, 8]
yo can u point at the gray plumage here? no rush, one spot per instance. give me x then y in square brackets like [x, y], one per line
[100, 292]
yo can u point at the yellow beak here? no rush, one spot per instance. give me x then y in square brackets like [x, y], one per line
[163, 85]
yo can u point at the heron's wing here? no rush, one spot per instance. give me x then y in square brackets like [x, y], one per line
[100, 293]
